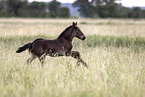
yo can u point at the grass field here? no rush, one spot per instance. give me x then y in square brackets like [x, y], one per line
[114, 50]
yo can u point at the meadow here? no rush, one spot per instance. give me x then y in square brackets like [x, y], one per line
[114, 50]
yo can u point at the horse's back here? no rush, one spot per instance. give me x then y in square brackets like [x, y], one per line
[38, 39]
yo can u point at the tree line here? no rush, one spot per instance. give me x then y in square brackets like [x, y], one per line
[53, 9]
[22, 8]
[107, 9]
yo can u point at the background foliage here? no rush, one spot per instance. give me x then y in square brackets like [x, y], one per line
[53, 9]
[107, 8]
[22, 8]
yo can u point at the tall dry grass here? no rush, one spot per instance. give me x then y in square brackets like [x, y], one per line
[114, 50]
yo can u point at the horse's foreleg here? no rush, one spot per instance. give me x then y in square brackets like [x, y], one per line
[42, 59]
[76, 55]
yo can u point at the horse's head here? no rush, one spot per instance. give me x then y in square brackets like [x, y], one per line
[77, 32]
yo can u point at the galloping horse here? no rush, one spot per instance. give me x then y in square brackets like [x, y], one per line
[62, 46]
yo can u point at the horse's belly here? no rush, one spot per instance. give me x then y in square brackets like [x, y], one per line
[58, 53]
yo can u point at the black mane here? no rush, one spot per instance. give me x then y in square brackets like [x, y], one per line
[64, 32]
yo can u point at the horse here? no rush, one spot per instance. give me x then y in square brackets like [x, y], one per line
[62, 46]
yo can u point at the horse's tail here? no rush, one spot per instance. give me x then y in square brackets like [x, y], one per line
[23, 48]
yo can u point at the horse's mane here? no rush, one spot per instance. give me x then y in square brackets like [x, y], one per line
[64, 32]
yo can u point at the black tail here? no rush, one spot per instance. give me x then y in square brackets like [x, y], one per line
[23, 48]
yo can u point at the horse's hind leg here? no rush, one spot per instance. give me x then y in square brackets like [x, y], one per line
[76, 55]
[32, 57]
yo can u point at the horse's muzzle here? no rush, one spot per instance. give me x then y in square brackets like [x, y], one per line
[83, 37]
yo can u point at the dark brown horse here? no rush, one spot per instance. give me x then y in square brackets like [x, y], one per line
[62, 46]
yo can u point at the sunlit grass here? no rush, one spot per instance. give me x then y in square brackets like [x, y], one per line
[115, 58]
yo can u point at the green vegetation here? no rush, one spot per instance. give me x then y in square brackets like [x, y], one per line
[23, 8]
[107, 9]
[115, 58]
[53, 9]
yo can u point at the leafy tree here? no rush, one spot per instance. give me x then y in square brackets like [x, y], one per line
[2, 9]
[1, 5]
[122, 12]
[64, 12]
[135, 12]
[53, 7]
[85, 7]
[37, 9]
[103, 8]
[56, 11]
[13, 6]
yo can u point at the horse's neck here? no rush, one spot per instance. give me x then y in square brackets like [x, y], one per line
[67, 36]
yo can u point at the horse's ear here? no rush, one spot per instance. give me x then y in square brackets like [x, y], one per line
[76, 23]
